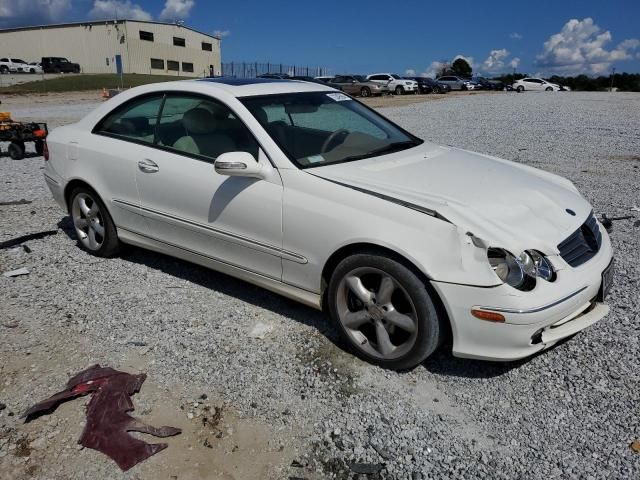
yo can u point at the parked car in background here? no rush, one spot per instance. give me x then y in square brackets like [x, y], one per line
[273, 75]
[394, 82]
[500, 85]
[324, 78]
[35, 67]
[429, 85]
[484, 83]
[535, 84]
[59, 65]
[404, 243]
[456, 83]
[358, 85]
[305, 78]
[13, 65]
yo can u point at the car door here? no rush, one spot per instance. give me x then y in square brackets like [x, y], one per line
[339, 82]
[351, 86]
[533, 84]
[235, 220]
[110, 155]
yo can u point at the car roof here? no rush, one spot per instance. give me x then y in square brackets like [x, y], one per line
[243, 87]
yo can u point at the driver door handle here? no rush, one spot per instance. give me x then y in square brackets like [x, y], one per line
[148, 166]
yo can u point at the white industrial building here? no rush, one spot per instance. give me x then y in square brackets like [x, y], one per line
[112, 45]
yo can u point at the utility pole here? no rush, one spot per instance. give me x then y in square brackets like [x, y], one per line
[613, 73]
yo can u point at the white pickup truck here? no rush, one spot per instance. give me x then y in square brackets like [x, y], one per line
[14, 65]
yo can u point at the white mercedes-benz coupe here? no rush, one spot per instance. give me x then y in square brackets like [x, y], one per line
[303, 190]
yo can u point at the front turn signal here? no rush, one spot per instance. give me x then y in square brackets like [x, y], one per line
[488, 316]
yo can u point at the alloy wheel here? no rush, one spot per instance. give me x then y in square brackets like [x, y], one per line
[377, 313]
[88, 221]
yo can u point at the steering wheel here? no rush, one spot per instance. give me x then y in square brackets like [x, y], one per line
[331, 138]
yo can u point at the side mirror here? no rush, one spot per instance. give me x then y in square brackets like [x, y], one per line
[238, 164]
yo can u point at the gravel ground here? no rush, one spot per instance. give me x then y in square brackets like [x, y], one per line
[292, 404]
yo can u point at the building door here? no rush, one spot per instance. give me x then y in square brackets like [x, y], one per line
[118, 63]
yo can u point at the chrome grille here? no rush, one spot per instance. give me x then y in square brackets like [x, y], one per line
[583, 244]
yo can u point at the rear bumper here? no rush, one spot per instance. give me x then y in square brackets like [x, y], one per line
[534, 320]
[56, 184]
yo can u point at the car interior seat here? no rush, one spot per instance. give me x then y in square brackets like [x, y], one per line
[203, 136]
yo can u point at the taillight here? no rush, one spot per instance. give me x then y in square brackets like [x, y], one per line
[45, 151]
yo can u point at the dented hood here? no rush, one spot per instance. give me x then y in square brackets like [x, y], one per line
[507, 204]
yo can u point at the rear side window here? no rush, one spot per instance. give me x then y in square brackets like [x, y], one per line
[135, 120]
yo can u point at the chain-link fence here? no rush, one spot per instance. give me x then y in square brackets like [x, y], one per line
[253, 69]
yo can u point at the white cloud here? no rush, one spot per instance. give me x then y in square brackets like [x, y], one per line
[515, 36]
[433, 70]
[221, 33]
[495, 60]
[107, 9]
[515, 62]
[21, 12]
[410, 72]
[580, 47]
[176, 9]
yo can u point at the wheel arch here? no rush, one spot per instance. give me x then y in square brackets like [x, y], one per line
[371, 248]
[75, 183]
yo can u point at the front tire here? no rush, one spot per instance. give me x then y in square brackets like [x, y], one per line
[94, 226]
[399, 90]
[383, 311]
[520, 89]
[549, 89]
[365, 92]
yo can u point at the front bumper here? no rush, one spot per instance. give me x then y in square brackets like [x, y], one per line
[534, 320]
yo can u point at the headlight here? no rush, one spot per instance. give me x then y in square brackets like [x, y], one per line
[543, 267]
[506, 266]
[408, 83]
[520, 272]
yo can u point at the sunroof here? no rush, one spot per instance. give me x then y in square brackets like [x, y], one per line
[242, 81]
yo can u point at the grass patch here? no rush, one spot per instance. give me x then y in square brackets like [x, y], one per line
[74, 82]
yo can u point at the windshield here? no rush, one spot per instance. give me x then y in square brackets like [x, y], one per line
[360, 78]
[397, 77]
[17, 60]
[321, 128]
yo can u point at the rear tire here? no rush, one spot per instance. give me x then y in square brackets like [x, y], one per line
[94, 226]
[16, 150]
[383, 311]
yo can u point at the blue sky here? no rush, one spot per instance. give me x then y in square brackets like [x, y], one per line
[539, 36]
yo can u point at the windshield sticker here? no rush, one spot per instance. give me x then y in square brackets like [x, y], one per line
[338, 97]
[315, 158]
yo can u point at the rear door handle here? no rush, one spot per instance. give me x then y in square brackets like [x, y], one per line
[148, 166]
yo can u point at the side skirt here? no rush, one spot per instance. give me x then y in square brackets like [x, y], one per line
[305, 297]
